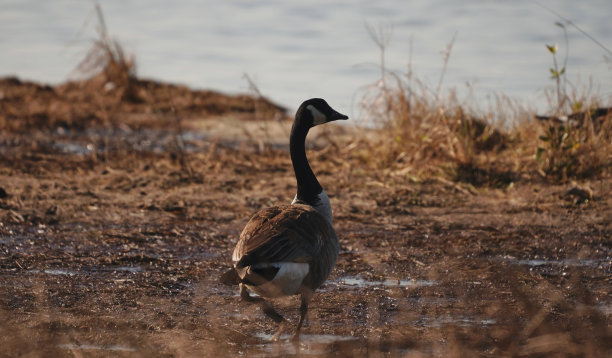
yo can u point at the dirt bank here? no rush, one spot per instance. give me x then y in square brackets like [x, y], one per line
[118, 215]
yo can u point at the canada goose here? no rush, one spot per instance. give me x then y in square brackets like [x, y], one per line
[289, 249]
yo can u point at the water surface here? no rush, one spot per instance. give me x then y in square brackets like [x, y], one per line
[294, 50]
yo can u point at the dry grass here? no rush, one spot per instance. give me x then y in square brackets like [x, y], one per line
[580, 147]
[425, 132]
[107, 64]
[422, 134]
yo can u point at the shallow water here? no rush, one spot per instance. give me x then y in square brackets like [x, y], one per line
[460, 321]
[293, 51]
[310, 344]
[359, 282]
[101, 141]
[95, 347]
[568, 262]
[96, 141]
[88, 271]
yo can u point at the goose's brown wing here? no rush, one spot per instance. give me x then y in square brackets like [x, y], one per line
[288, 233]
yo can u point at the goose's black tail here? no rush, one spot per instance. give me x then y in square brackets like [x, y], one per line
[230, 278]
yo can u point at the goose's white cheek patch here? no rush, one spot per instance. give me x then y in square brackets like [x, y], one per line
[317, 116]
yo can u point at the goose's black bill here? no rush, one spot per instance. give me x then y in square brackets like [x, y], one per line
[336, 116]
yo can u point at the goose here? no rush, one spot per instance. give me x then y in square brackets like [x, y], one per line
[291, 249]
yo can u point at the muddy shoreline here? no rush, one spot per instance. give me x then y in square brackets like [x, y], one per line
[113, 234]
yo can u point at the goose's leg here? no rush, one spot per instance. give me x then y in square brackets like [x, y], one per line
[244, 294]
[266, 308]
[277, 317]
[271, 312]
[306, 296]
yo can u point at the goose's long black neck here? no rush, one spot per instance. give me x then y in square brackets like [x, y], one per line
[308, 187]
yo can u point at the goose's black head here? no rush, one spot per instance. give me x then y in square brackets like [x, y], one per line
[316, 111]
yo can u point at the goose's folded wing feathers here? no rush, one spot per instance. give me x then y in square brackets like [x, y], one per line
[290, 233]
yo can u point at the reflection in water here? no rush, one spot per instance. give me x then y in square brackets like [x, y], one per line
[461, 321]
[567, 262]
[95, 347]
[88, 271]
[310, 344]
[59, 272]
[361, 282]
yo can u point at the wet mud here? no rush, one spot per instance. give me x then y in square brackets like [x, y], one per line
[113, 238]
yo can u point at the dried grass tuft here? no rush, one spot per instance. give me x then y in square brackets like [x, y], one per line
[107, 66]
[422, 132]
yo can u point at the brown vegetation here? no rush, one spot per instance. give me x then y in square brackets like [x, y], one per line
[112, 242]
[121, 198]
[426, 135]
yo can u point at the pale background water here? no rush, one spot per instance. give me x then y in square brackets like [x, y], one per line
[299, 49]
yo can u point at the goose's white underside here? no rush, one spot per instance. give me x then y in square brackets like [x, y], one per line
[287, 281]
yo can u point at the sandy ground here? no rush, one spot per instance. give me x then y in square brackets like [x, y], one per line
[113, 237]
